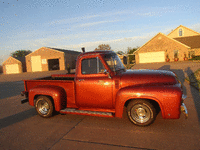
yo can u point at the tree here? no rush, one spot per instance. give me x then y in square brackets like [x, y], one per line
[131, 56]
[103, 47]
[20, 53]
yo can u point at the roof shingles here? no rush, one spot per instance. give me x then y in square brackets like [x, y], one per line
[191, 41]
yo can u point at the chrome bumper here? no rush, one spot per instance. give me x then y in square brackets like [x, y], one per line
[183, 107]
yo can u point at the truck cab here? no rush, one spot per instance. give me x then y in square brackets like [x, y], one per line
[95, 80]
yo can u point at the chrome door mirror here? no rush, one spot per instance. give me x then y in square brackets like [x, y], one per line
[106, 72]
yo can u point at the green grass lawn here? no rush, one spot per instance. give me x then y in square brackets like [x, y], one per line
[194, 79]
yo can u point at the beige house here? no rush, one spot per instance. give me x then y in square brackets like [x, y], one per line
[179, 45]
[14, 65]
[182, 31]
[46, 59]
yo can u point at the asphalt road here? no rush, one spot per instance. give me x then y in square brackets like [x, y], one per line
[22, 128]
[9, 89]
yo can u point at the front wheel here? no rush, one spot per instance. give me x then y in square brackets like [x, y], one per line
[44, 106]
[141, 112]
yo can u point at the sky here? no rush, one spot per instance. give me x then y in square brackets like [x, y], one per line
[73, 24]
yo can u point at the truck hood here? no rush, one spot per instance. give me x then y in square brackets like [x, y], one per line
[147, 77]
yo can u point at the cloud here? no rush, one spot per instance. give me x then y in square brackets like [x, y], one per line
[87, 17]
[116, 44]
[73, 20]
[158, 11]
[94, 23]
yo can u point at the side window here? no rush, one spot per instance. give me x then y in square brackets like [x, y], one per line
[92, 66]
[175, 53]
[101, 66]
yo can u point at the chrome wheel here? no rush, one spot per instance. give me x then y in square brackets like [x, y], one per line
[43, 107]
[140, 113]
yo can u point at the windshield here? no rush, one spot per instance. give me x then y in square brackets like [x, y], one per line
[113, 62]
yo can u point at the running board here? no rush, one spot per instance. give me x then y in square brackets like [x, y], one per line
[86, 112]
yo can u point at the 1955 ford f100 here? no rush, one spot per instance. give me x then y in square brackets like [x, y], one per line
[101, 86]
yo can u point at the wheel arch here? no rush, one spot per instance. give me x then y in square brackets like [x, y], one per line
[124, 103]
[128, 94]
[38, 95]
[55, 93]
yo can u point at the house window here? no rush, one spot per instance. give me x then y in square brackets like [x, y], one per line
[175, 53]
[180, 32]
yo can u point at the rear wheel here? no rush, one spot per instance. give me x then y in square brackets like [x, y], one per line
[44, 106]
[141, 112]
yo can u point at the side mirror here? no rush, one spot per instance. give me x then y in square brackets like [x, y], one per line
[106, 72]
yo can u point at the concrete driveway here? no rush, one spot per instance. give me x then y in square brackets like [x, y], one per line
[186, 68]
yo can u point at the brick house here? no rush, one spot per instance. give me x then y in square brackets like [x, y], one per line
[193, 42]
[179, 45]
[46, 59]
[14, 65]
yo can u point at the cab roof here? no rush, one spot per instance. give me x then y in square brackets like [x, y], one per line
[97, 52]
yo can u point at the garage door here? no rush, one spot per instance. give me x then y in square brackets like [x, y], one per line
[152, 57]
[13, 68]
[36, 63]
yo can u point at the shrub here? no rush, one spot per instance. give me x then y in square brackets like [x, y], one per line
[195, 58]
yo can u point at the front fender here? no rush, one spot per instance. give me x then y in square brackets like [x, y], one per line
[57, 93]
[168, 98]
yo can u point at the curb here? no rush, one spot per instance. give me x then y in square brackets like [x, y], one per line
[196, 61]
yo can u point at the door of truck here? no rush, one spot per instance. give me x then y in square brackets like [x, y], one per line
[94, 89]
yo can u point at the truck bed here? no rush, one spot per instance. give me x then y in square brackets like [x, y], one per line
[65, 81]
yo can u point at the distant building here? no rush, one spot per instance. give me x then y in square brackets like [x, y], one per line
[14, 65]
[179, 45]
[47, 59]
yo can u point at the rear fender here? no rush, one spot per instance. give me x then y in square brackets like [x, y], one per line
[167, 97]
[57, 93]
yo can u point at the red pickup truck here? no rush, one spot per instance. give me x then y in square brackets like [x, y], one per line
[101, 86]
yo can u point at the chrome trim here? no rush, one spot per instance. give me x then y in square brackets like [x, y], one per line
[184, 96]
[184, 110]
